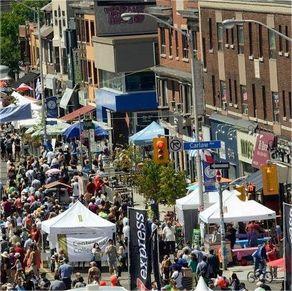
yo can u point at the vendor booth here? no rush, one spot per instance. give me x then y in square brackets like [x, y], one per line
[76, 230]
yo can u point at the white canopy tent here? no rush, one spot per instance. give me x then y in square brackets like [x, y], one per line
[79, 228]
[236, 210]
[192, 201]
[202, 286]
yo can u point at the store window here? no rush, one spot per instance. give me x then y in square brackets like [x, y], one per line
[143, 81]
[112, 80]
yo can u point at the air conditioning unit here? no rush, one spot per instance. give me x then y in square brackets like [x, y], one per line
[224, 105]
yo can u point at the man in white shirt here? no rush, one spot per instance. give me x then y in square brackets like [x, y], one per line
[75, 187]
[169, 237]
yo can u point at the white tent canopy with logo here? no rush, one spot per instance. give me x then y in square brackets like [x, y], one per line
[236, 210]
[78, 228]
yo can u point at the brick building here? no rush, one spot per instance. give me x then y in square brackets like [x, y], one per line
[173, 74]
[247, 79]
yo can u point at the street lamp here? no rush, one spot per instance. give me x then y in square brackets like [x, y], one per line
[190, 39]
[41, 71]
[230, 23]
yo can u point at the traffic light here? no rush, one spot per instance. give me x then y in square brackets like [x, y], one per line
[270, 179]
[241, 190]
[160, 149]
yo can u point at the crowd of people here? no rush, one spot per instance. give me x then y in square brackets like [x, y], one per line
[25, 203]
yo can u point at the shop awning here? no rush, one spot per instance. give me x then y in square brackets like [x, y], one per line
[256, 179]
[15, 113]
[26, 79]
[66, 98]
[79, 112]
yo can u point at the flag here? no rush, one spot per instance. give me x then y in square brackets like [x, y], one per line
[208, 157]
[38, 89]
[23, 88]
[139, 250]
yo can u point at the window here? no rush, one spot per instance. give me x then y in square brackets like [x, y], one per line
[56, 22]
[219, 36]
[64, 22]
[185, 46]
[92, 29]
[250, 39]
[162, 93]
[83, 30]
[264, 102]
[284, 104]
[244, 99]
[94, 74]
[204, 53]
[272, 44]
[176, 43]
[162, 41]
[210, 34]
[87, 34]
[280, 39]
[254, 100]
[50, 52]
[235, 92]
[60, 28]
[260, 41]
[214, 90]
[187, 102]
[195, 45]
[78, 28]
[59, 11]
[230, 90]
[290, 104]
[232, 35]
[112, 80]
[223, 91]
[57, 60]
[89, 72]
[64, 61]
[63, 13]
[170, 32]
[240, 39]
[286, 41]
[227, 36]
[55, 13]
[143, 81]
[276, 108]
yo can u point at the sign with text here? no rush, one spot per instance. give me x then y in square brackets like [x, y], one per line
[245, 145]
[200, 145]
[261, 152]
[139, 249]
[209, 178]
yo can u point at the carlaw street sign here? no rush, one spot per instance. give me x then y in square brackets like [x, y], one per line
[201, 145]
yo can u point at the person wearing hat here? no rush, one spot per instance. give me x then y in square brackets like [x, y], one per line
[5, 267]
[17, 267]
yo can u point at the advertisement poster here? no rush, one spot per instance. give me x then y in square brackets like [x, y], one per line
[139, 250]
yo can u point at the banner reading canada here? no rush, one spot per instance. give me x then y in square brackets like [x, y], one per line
[139, 250]
[288, 245]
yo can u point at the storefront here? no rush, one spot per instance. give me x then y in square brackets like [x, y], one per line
[226, 133]
[246, 145]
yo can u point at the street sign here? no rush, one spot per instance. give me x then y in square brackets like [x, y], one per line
[199, 145]
[220, 166]
[175, 144]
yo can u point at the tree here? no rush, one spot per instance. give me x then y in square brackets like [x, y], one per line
[10, 21]
[161, 183]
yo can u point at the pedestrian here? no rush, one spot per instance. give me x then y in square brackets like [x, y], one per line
[111, 252]
[57, 284]
[193, 263]
[165, 268]
[202, 268]
[65, 272]
[234, 282]
[94, 273]
[97, 255]
[169, 237]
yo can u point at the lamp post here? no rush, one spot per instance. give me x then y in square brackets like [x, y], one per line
[41, 70]
[190, 39]
[229, 23]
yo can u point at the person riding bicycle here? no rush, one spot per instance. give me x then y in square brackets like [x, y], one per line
[259, 258]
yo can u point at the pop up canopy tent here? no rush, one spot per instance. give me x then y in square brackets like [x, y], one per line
[15, 113]
[236, 210]
[145, 136]
[76, 230]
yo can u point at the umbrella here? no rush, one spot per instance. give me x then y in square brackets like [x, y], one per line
[53, 172]
[23, 88]
[74, 130]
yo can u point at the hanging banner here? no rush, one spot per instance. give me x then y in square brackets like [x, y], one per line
[79, 249]
[209, 178]
[139, 250]
[287, 215]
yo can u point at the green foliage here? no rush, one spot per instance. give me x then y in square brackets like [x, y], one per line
[9, 24]
[161, 182]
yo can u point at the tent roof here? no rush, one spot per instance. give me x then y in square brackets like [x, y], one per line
[236, 210]
[15, 113]
[145, 136]
[202, 286]
[77, 218]
[192, 200]
[21, 100]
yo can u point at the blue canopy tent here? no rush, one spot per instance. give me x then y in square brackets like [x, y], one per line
[145, 136]
[15, 113]
[74, 130]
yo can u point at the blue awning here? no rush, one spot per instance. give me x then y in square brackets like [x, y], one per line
[145, 136]
[15, 113]
[74, 130]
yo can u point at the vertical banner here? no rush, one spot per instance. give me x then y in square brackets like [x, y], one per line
[155, 255]
[287, 215]
[209, 178]
[139, 250]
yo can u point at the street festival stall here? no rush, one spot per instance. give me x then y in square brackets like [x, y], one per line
[235, 210]
[76, 230]
[187, 208]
